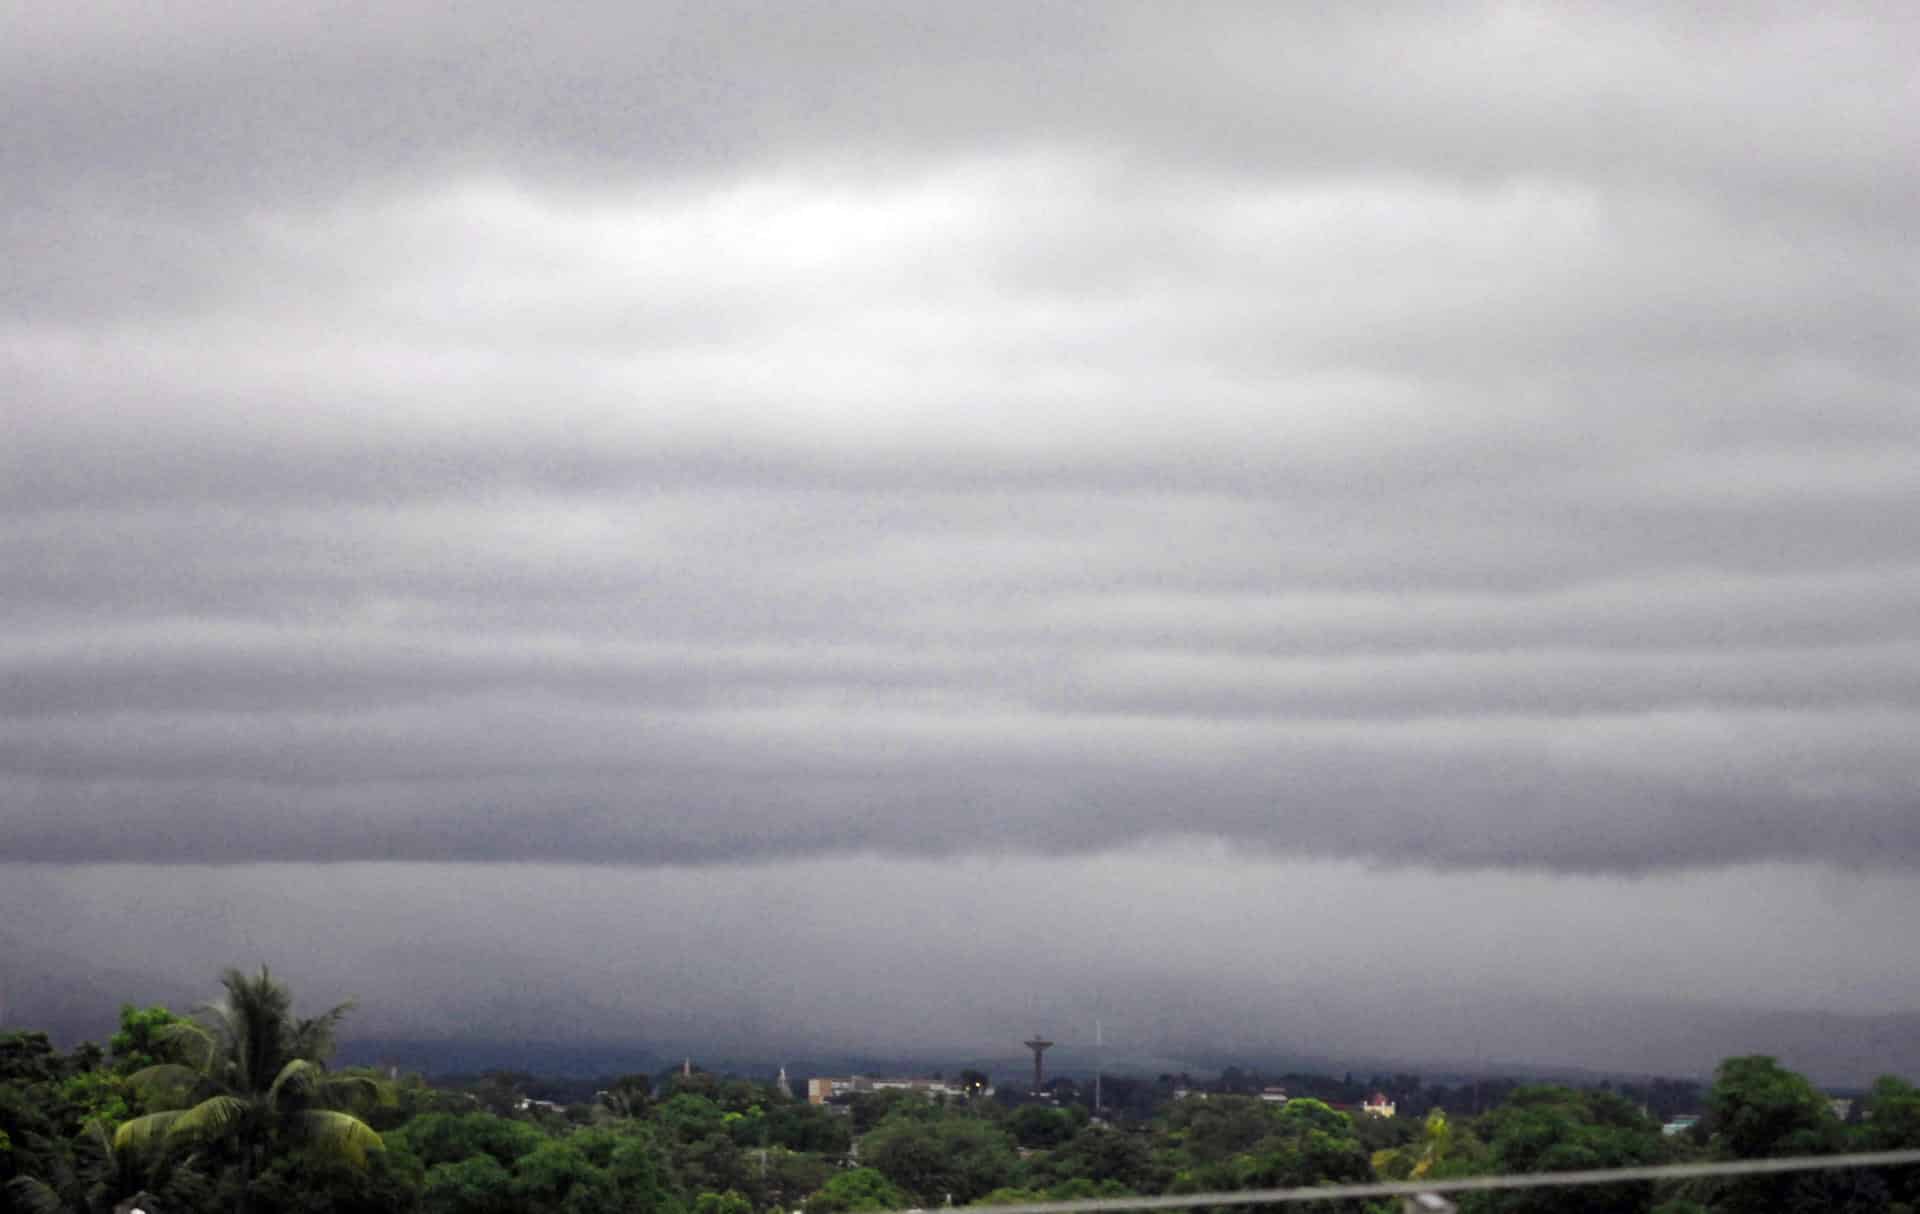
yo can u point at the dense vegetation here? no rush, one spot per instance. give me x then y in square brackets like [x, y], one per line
[236, 1110]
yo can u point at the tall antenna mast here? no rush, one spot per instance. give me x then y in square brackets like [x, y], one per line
[1099, 1063]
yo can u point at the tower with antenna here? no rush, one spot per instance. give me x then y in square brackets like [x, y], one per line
[1039, 1046]
[1099, 1063]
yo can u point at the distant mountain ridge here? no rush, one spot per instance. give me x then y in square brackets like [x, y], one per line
[1833, 1049]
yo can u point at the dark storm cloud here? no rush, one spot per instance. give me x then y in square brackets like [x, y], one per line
[1480, 437]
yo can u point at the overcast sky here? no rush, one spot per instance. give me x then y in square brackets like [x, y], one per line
[1414, 496]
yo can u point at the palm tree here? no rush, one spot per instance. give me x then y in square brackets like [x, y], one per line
[256, 1077]
[71, 1184]
[89, 1179]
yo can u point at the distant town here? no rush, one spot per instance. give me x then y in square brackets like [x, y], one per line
[236, 1107]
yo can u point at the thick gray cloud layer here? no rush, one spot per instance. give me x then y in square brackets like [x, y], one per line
[1471, 437]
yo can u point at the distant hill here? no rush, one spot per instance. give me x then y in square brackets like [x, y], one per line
[74, 999]
[1634, 1039]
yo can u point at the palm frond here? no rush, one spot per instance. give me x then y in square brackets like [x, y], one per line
[190, 1038]
[313, 1037]
[253, 1023]
[354, 1092]
[339, 1135]
[46, 1192]
[210, 1118]
[295, 1082]
[167, 1081]
[32, 1195]
[98, 1134]
[145, 1133]
[216, 1023]
[114, 1172]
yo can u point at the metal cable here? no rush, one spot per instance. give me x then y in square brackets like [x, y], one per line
[1467, 1184]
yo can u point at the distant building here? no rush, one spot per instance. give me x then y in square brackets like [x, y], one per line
[1273, 1095]
[1842, 1106]
[821, 1089]
[1680, 1123]
[1377, 1105]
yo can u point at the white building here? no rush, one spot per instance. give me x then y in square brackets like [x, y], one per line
[822, 1089]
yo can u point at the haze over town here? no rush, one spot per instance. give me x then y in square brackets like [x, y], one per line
[867, 527]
